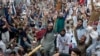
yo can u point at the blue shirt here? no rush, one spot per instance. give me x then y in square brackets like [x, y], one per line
[81, 31]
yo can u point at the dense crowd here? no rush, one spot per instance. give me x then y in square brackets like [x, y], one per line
[62, 27]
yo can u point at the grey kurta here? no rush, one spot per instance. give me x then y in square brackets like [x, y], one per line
[48, 42]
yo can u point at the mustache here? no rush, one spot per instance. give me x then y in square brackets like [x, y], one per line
[62, 35]
[49, 30]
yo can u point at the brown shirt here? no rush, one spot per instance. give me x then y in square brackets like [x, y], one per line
[82, 47]
[94, 14]
[94, 17]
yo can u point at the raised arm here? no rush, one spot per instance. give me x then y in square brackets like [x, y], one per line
[44, 19]
[92, 5]
[76, 37]
[59, 5]
[89, 42]
[57, 41]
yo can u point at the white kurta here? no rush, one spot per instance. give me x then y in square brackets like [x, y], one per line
[98, 27]
[89, 2]
[28, 2]
[72, 38]
[2, 45]
[85, 23]
[61, 43]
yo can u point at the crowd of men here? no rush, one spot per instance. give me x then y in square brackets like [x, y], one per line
[61, 26]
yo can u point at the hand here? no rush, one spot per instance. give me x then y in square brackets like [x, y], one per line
[24, 39]
[75, 27]
[75, 8]
[26, 54]
[34, 42]
[57, 54]
[65, 44]
[12, 40]
[4, 26]
[4, 19]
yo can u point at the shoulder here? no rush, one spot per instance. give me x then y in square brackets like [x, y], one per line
[67, 35]
[1, 43]
[58, 35]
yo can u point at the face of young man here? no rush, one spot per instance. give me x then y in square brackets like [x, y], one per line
[62, 33]
[79, 24]
[49, 28]
[73, 54]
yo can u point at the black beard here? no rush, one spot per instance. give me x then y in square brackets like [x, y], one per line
[32, 25]
[81, 43]
[62, 35]
[33, 32]
[79, 26]
[39, 26]
[48, 31]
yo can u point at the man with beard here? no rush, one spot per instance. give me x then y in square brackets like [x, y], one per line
[47, 41]
[79, 29]
[4, 30]
[60, 23]
[82, 46]
[63, 42]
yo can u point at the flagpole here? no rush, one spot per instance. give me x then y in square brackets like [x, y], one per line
[34, 50]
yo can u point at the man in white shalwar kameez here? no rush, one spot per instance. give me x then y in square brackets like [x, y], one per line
[63, 42]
